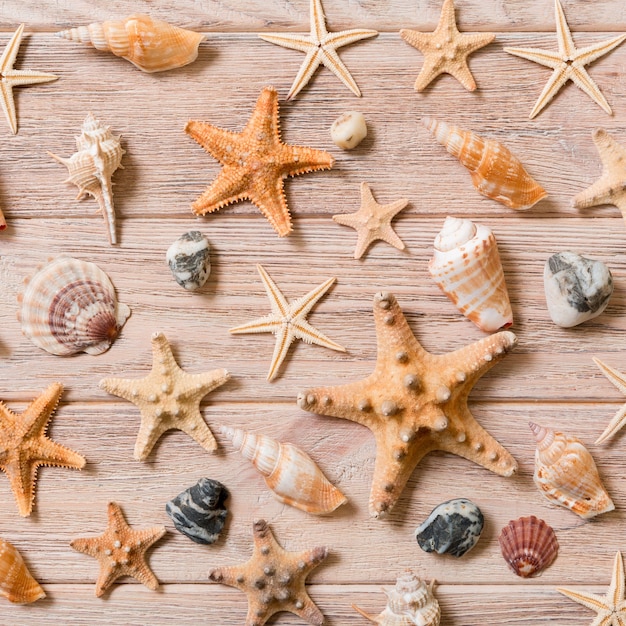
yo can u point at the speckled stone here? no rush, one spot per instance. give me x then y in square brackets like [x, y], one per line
[188, 258]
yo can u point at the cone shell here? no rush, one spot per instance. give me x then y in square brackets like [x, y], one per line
[149, 44]
[69, 306]
[566, 473]
[466, 266]
[16, 582]
[290, 473]
[528, 546]
[495, 172]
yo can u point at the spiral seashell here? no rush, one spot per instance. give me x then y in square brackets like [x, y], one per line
[16, 582]
[466, 266]
[566, 473]
[528, 545]
[149, 44]
[69, 306]
[290, 473]
[495, 172]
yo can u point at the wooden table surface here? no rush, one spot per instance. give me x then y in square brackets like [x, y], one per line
[549, 377]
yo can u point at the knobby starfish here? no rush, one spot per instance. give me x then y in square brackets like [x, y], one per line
[10, 78]
[273, 579]
[255, 163]
[288, 321]
[320, 48]
[446, 50]
[415, 402]
[568, 63]
[121, 551]
[619, 380]
[372, 222]
[24, 446]
[168, 398]
[611, 608]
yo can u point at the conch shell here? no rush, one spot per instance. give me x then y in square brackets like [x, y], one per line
[16, 582]
[466, 266]
[290, 473]
[566, 473]
[151, 45]
[495, 172]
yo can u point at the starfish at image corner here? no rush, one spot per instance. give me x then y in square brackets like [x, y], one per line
[568, 63]
[619, 419]
[415, 402]
[255, 163]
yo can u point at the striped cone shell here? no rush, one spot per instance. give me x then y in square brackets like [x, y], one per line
[16, 582]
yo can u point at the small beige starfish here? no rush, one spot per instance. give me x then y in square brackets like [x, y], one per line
[288, 321]
[10, 78]
[619, 380]
[568, 63]
[320, 48]
[372, 222]
[446, 50]
[611, 608]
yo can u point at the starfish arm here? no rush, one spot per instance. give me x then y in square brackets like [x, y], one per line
[311, 62]
[365, 238]
[476, 41]
[389, 211]
[447, 19]
[601, 192]
[22, 478]
[231, 185]
[87, 545]
[284, 338]
[278, 302]
[590, 600]
[150, 431]
[417, 39]
[612, 155]
[563, 33]
[302, 43]
[196, 386]
[547, 58]
[317, 20]
[430, 70]
[346, 37]
[38, 413]
[349, 219]
[557, 80]
[309, 612]
[309, 334]
[219, 143]
[17, 78]
[123, 388]
[331, 60]
[582, 79]
[298, 160]
[388, 234]
[615, 594]
[302, 306]
[618, 421]
[617, 378]
[269, 197]
[7, 60]
[48, 452]
[267, 324]
[108, 575]
[461, 71]
[145, 576]
[198, 430]
[589, 54]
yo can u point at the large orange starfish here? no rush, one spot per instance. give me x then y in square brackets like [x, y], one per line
[255, 163]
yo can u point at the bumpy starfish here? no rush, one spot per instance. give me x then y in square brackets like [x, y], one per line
[168, 398]
[10, 78]
[415, 402]
[568, 63]
[611, 608]
[288, 321]
[255, 163]
[619, 380]
[24, 446]
[273, 579]
[320, 48]
[121, 551]
[372, 222]
[446, 50]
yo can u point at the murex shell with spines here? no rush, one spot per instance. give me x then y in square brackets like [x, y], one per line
[16, 582]
[70, 306]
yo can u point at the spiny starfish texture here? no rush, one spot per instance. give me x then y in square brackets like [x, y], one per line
[121, 551]
[568, 63]
[273, 579]
[24, 446]
[168, 398]
[619, 419]
[320, 48]
[372, 222]
[415, 402]
[446, 50]
[288, 321]
[255, 162]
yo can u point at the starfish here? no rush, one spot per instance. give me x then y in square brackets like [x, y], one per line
[288, 321]
[568, 63]
[10, 78]
[121, 551]
[372, 222]
[415, 402]
[273, 579]
[611, 608]
[320, 48]
[446, 50]
[168, 398]
[24, 446]
[255, 163]
[619, 380]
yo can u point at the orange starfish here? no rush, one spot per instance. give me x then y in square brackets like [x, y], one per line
[121, 551]
[24, 446]
[255, 163]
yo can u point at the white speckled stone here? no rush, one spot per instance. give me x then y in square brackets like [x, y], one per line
[188, 258]
[349, 130]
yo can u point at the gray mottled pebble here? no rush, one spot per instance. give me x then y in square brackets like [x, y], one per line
[188, 258]
[453, 527]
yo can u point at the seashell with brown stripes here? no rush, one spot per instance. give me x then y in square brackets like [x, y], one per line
[495, 172]
[466, 266]
[290, 473]
[16, 582]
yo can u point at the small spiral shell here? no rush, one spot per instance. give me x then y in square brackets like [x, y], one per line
[16, 582]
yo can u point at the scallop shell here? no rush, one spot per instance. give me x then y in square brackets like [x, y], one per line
[16, 582]
[69, 306]
[290, 473]
[566, 473]
[149, 44]
[495, 172]
[91, 167]
[466, 266]
[528, 546]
